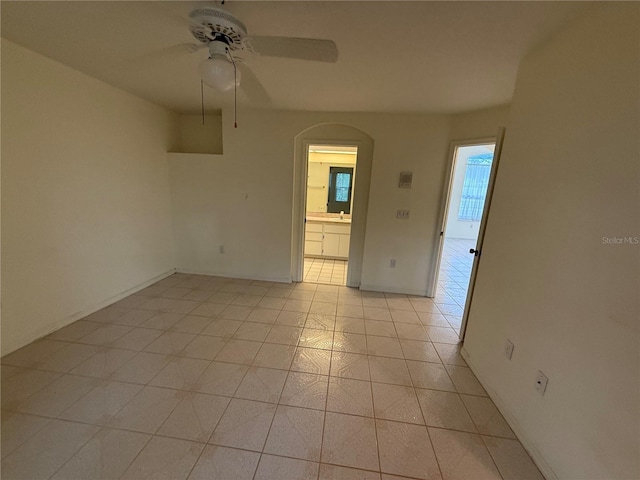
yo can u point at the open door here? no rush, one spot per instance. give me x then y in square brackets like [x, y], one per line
[477, 251]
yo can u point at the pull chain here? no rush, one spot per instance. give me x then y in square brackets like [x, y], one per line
[235, 90]
[202, 99]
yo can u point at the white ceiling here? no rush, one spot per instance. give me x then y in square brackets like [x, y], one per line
[415, 56]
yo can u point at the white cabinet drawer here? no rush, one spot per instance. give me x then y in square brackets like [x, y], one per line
[313, 237]
[313, 227]
[337, 228]
[327, 239]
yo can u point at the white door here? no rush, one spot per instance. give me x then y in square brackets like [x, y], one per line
[477, 251]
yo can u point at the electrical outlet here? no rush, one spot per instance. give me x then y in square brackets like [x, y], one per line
[508, 349]
[392, 263]
[221, 248]
[541, 382]
[402, 214]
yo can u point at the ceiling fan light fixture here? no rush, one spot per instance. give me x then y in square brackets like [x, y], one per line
[218, 72]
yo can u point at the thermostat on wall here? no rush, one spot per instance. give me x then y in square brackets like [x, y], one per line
[405, 179]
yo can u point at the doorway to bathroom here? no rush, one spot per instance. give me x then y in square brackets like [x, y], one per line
[331, 171]
[338, 136]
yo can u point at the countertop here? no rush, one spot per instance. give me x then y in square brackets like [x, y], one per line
[336, 219]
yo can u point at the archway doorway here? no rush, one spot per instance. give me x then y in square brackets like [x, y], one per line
[336, 136]
[331, 173]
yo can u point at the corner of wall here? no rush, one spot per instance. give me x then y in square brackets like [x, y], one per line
[479, 123]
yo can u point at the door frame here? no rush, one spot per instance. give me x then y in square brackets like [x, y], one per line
[332, 134]
[304, 172]
[444, 213]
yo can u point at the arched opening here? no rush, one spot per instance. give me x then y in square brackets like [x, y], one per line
[332, 134]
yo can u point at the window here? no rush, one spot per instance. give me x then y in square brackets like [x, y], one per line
[340, 185]
[474, 188]
[343, 184]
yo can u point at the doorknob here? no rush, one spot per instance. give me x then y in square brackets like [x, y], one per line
[474, 251]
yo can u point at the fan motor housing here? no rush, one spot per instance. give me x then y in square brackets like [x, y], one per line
[208, 24]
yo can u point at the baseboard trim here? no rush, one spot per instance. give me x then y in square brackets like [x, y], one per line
[528, 445]
[57, 325]
[188, 271]
[405, 291]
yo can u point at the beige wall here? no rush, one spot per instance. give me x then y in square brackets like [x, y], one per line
[196, 137]
[547, 280]
[85, 194]
[478, 124]
[243, 200]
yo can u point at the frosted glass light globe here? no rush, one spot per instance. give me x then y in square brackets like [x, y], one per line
[217, 72]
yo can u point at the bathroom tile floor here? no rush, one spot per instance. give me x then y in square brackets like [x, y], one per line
[327, 271]
[212, 378]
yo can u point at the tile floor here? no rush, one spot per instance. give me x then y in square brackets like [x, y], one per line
[453, 280]
[321, 270]
[211, 378]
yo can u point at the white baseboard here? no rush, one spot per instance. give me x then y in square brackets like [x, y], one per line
[390, 289]
[189, 271]
[528, 445]
[58, 324]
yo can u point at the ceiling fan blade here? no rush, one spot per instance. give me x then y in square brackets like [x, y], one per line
[170, 52]
[163, 57]
[252, 87]
[194, 47]
[293, 47]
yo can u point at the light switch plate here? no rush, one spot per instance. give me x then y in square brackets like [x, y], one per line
[402, 214]
[405, 180]
[541, 382]
[508, 349]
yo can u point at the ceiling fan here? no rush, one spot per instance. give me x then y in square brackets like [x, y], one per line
[225, 37]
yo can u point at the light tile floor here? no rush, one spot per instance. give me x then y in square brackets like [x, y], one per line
[327, 271]
[210, 378]
[453, 279]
